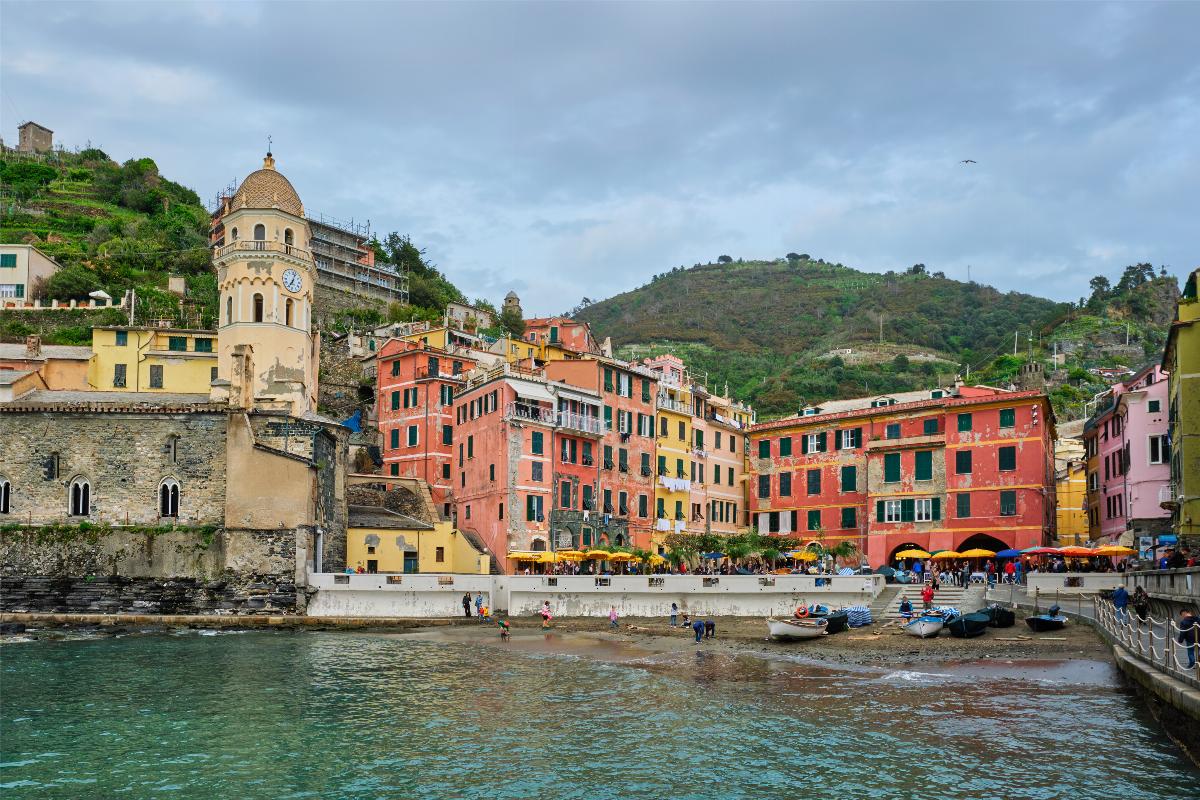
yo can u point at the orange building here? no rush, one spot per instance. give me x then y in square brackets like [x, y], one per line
[563, 332]
[416, 384]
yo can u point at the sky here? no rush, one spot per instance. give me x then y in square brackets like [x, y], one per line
[567, 150]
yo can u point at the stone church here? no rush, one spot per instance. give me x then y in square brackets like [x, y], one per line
[119, 501]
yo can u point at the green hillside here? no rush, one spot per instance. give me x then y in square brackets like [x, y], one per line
[776, 332]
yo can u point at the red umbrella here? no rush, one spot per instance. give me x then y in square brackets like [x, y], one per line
[1042, 551]
[1077, 552]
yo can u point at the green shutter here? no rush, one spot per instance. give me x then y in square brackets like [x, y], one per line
[804, 444]
[858, 437]
[821, 442]
[608, 382]
[645, 395]
[1008, 459]
[764, 448]
[395, 401]
[662, 465]
[849, 518]
[1008, 418]
[814, 520]
[785, 445]
[964, 423]
[937, 508]
[924, 465]
[891, 468]
[964, 505]
[849, 479]
[879, 511]
[608, 425]
[906, 510]
[537, 443]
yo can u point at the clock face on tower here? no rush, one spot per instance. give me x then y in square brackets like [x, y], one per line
[292, 280]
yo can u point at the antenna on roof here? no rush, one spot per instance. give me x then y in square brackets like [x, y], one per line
[268, 144]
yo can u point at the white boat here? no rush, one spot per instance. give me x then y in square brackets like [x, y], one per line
[797, 628]
[925, 626]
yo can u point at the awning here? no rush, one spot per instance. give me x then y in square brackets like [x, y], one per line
[578, 395]
[531, 391]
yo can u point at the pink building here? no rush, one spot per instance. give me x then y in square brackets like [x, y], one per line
[1129, 460]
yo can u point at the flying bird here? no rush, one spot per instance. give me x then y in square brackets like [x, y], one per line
[966, 161]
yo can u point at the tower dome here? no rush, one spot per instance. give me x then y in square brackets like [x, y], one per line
[267, 188]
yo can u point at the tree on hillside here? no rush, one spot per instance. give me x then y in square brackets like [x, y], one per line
[724, 260]
[794, 257]
[1101, 289]
[510, 321]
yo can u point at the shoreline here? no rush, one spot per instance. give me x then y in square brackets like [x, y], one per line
[879, 644]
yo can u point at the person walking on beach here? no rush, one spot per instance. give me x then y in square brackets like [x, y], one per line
[927, 596]
[1187, 635]
[674, 614]
[698, 629]
[612, 617]
[467, 605]
[546, 615]
[1120, 600]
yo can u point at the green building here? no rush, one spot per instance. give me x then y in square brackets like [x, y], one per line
[1182, 359]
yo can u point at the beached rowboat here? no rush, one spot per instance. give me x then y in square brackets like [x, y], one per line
[968, 625]
[925, 626]
[796, 628]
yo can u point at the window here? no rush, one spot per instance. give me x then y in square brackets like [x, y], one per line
[287, 312]
[564, 494]
[446, 472]
[204, 345]
[533, 508]
[395, 438]
[848, 438]
[536, 471]
[888, 510]
[923, 510]
[1153, 406]
[643, 506]
[849, 517]
[645, 459]
[623, 504]
[893, 431]
[470, 447]
[260, 232]
[395, 470]
[535, 443]
[447, 434]
[717, 474]
[439, 554]
[119, 376]
[962, 462]
[813, 479]
[923, 465]
[785, 446]
[1158, 450]
[168, 498]
[964, 423]
[764, 486]
[608, 379]
[8, 260]
[122, 338]
[645, 391]
[662, 465]
[500, 511]
[962, 502]
[1093, 481]
[814, 520]
[81, 497]
[412, 435]
[682, 431]
[5, 497]
[156, 376]
[588, 502]
[468, 512]
[662, 426]
[233, 235]
[929, 427]
[395, 401]
[258, 308]
[785, 484]
[764, 448]
[849, 479]
[1008, 459]
[1008, 418]
[891, 468]
[212, 374]
[813, 443]
[177, 344]
[491, 472]
[716, 440]
[1008, 504]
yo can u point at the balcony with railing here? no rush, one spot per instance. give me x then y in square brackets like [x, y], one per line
[1167, 496]
[426, 374]
[261, 246]
[580, 423]
[524, 412]
[665, 403]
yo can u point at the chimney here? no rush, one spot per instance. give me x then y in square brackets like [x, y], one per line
[33, 346]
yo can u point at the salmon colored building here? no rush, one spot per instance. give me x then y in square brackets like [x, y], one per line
[625, 448]
[416, 385]
[561, 332]
[950, 468]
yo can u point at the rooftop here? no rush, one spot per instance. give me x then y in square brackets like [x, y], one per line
[379, 517]
[69, 352]
[267, 188]
[136, 402]
[10, 376]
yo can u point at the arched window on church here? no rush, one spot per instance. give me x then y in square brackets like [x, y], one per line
[258, 308]
[287, 312]
[5, 496]
[229, 310]
[260, 232]
[168, 498]
[233, 234]
[288, 240]
[81, 497]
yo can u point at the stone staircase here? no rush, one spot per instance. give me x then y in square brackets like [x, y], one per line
[965, 600]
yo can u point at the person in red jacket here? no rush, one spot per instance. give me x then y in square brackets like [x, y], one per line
[927, 596]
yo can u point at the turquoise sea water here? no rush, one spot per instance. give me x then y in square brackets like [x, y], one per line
[335, 715]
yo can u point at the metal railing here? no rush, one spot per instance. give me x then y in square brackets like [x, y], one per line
[1166, 494]
[668, 404]
[580, 422]
[521, 411]
[258, 245]
[1154, 641]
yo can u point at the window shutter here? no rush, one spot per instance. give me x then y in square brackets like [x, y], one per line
[858, 437]
[837, 440]
[804, 444]
[608, 384]
[821, 442]
[937, 508]
[879, 511]
[764, 448]
[906, 510]
[608, 418]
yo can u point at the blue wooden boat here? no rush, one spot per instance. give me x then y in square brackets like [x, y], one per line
[1052, 621]
[925, 626]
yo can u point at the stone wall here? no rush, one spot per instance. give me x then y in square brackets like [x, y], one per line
[119, 571]
[123, 456]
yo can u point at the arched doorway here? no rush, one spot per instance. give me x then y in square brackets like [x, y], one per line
[983, 541]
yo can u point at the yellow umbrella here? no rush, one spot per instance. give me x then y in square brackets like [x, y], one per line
[655, 558]
[621, 557]
[569, 555]
[915, 553]
[523, 556]
[1115, 550]
[597, 554]
[948, 554]
[978, 552]
[805, 555]
[544, 558]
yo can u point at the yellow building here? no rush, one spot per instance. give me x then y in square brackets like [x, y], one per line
[673, 447]
[1070, 514]
[133, 359]
[1181, 359]
[379, 540]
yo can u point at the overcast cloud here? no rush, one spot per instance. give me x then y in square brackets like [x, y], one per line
[571, 149]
